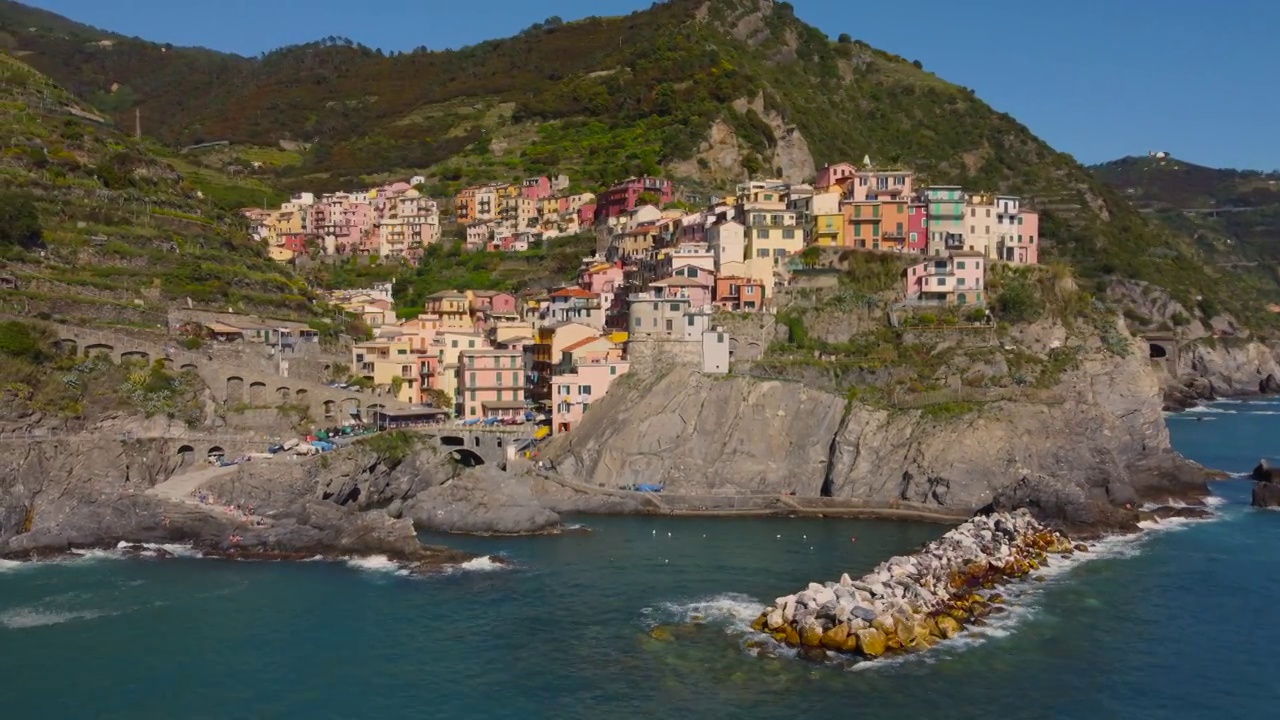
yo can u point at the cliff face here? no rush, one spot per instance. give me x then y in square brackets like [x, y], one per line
[700, 435]
[1236, 368]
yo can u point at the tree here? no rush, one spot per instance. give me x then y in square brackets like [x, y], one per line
[438, 398]
[845, 39]
[19, 221]
[648, 198]
[919, 65]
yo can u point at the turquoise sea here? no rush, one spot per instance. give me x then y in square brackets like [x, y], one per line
[1178, 623]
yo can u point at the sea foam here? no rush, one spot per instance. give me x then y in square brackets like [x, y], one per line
[29, 617]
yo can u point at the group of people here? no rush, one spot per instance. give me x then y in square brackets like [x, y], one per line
[246, 513]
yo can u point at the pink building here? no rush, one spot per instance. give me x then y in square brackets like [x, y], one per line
[833, 175]
[698, 291]
[958, 279]
[536, 188]
[868, 184]
[917, 226]
[625, 196]
[490, 384]
[587, 369]
[587, 214]
[1021, 245]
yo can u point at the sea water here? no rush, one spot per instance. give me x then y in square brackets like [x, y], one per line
[1177, 623]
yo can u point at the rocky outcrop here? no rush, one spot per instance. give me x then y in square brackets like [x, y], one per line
[1266, 491]
[55, 497]
[908, 604]
[424, 486]
[701, 435]
[1230, 367]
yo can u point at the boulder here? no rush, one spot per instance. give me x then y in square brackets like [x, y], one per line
[883, 623]
[835, 638]
[947, 626]
[871, 642]
[1265, 473]
[774, 620]
[1266, 495]
[863, 612]
[482, 500]
[811, 635]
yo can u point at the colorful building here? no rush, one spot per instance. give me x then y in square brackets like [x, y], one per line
[956, 279]
[491, 383]
[946, 219]
[627, 196]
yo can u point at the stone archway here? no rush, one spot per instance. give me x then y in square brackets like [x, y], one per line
[257, 393]
[329, 407]
[1158, 351]
[187, 455]
[188, 367]
[67, 346]
[98, 349]
[350, 406]
[300, 394]
[216, 451]
[235, 390]
[452, 441]
[284, 393]
[465, 457]
[753, 351]
[134, 356]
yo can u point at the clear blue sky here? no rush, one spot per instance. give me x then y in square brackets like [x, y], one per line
[1099, 79]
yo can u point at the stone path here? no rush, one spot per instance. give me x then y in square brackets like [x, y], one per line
[180, 487]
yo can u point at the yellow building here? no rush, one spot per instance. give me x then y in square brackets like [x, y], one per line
[828, 230]
[384, 360]
[451, 308]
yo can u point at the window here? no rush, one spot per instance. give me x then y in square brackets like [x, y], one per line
[733, 289]
[973, 212]
[473, 378]
[500, 396]
[613, 369]
[584, 390]
[498, 379]
[987, 230]
[762, 234]
[749, 291]
[473, 409]
[977, 266]
[471, 343]
[669, 326]
[675, 307]
[959, 264]
[911, 211]
[913, 237]
[959, 282]
[875, 211]
[473, 396]
[453, 343]
[402, 351]
[988, 212]
[768, 197]
[1031, 239]
[857, 211]
[762, 253]
[515, 378]
[1019, 219]
[942, 281]
[720, 338]
[857, 231]
[638, 321]
[788, 234]
[691, 272]
[779, 252]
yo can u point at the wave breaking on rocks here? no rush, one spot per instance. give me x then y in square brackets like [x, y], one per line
[908, 604]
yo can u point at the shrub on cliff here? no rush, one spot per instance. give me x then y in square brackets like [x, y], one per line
[20, 340]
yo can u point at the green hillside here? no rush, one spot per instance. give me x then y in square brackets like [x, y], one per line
[707, 91]
[98, 226]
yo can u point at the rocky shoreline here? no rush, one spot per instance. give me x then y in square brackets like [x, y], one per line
[909, 604]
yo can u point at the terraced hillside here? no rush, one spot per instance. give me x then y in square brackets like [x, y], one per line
[108, 229]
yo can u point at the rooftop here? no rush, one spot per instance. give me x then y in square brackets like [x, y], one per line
[573, 292]
[583, 343]
[491, 353]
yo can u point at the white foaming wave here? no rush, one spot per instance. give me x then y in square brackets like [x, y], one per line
[11, 565]
[174, 549]
[29, 617]
[92, 554]
[484, 563]
[735, 611]
[376, 563]
[1200, 409]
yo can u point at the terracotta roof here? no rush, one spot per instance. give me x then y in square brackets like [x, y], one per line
[583, 342]
[573, 292]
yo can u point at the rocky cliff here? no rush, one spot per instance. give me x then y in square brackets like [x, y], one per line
[700, 434]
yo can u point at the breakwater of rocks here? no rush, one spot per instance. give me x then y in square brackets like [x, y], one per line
[909, 604]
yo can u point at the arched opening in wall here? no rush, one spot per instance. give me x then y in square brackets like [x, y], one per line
[235, 390]
[351, 407]
[452, 441]
[257, 393]
[188, 368]
[962, 299]
[284, 393]
[98, 349]
[167, 364]
[734, 347]
[67, 346]
[753, 352]
[134, 356]
[216, 452]
[186, 454]
[1158, 351]
[329, 407]
[300, 393]
[466, 458]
